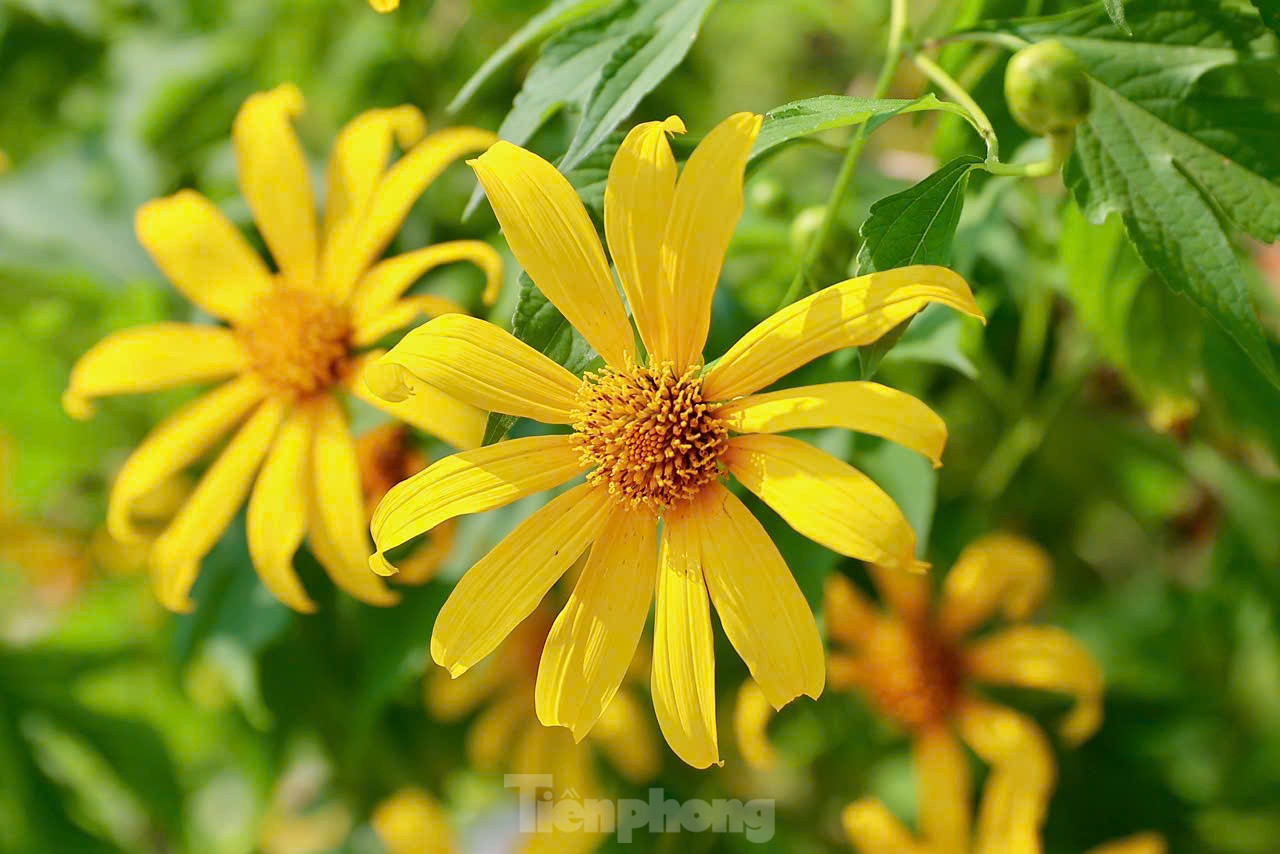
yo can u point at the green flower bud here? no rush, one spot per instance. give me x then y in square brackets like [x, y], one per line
[804, 227]
[1046, 88]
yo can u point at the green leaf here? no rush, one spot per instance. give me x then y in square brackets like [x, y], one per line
[540, 324]
[1115, 10]
[812, 115]
[642, 61]
[555, 16]
[1270, 12]
[1149, 152]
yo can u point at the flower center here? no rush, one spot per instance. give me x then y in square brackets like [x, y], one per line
[648, 434]
[912, 675]
[297, 342]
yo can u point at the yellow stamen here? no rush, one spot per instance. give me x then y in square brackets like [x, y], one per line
[297, 341]
[910, 673]
[648, 434]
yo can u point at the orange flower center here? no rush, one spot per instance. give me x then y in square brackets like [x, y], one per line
[297, 341]
[648, 434]
[911, 673]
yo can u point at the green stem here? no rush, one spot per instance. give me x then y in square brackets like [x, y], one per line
[1059, 150]
[800, 285]
[961, 96]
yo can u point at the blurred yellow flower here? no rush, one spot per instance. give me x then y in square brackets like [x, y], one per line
[915, 666]
[385, 5]
[507, 735]
[55, 563]
[653, 435]
[292, 343]
[412, 822]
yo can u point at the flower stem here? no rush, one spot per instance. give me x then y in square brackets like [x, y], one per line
[801, 285]
[961, 96]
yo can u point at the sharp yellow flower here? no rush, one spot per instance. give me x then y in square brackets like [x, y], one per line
[655, 433]
[915, 666]
[292, 342]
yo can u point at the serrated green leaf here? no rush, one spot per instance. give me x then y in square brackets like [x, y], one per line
[1147, 154]
[1115, 10]
[555, 16]
[540, 324]
[642, 61]
[826, 112]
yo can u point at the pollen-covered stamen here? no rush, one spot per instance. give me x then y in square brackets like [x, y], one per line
[298, 342]
[648, 434]
[911, 673]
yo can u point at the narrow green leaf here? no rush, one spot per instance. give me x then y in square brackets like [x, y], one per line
[1115, 10]
[1147, 152]
[555, 16]
[825, 112]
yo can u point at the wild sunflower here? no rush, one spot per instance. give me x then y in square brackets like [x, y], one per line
[917, 669]
[291, 344]
[655, 430]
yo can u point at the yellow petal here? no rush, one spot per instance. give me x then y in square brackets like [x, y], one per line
[1016, 795]
[852, 313]
[637, 205]
[827, 500]
[848, 615]
[1142, 843]
[357, 162]
[595, 636]
[411, 822]
[203, 254]
[400, 314]
[176, 554]
[761, 608]
[999, 572]
[504, 587]
[431, 411]
[625, 735]
[1047, 658]
[379, 288]
[275, 181]
[704, 213]
[864, 407]
[906, 592]
[845, 672]
[150, 358]
[489, 737]
[684, 665]
[350, 254]
[448, 699]
[277, 517]
[174, 444]
[471, 482]
[942, 768]
[385, 5]
[336, 516]
[872, 829]
[552, 237]
[751, 716]
[480, 364]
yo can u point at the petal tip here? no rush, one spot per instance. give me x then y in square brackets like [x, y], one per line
[673, 125]
[78, 406]
[380, 565]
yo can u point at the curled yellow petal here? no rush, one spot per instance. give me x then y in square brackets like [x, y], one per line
[827, 500]
[872, 829]
[595, 636]
[637, 205]
[751, 716]
[999, 572]
[388, 280]
[852, 313]
[276, 520]
[705, 211]
[480, 364]
[471, 482]
[203, 254]
[761, 608]
[1047, 658]
[504, 587]
[150, 358]
[683, 681]
[176, 554]
[946, 789]
[864, 407]
[430, 410]
[275, 181]
[552, 237]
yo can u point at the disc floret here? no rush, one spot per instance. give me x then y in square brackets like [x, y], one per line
[297, 342]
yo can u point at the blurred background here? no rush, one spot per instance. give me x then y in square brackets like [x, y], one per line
[1133, 445]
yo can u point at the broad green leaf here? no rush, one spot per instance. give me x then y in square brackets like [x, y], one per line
[540, 324]
[825, 112]
[1150, 153]
[1115, 10]
[642, 62]
[555, 16]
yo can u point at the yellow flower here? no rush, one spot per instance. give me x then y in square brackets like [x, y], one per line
[412, 822]
[654, 433]
[291, 345]
[915, 666]
[506, 734]
[385, 5]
